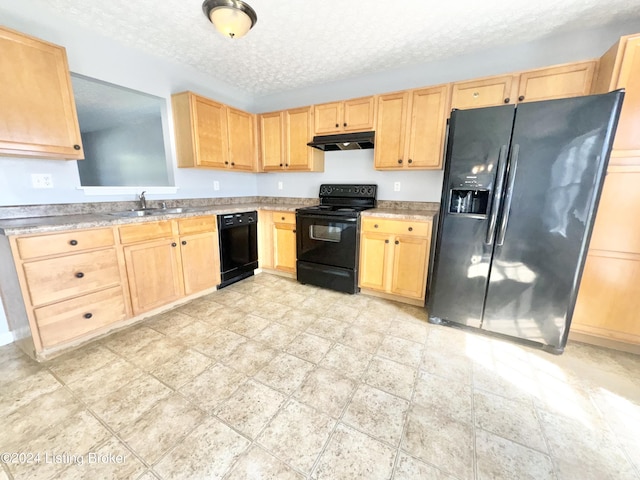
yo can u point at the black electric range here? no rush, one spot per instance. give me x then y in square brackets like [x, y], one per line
[328, 236]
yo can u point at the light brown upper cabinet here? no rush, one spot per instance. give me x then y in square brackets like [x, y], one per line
[283, 141]
[39, 116]
[486, 92]
[355, 115]
[410, 129]
[212, 135]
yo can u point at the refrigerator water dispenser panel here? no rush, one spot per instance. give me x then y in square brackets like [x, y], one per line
[473, 202]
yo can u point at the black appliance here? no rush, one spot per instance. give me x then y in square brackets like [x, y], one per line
[521, 188]
[344, 141]
[328, 236]
[238, 236]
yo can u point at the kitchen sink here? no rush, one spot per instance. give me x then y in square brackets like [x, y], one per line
[146, 212]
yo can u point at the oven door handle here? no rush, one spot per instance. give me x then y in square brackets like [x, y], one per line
[333, 219]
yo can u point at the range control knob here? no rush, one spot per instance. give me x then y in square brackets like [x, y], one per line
[370, 190]
[356, 190]
[329, 189]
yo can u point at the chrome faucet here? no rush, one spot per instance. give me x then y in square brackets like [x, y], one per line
[143, 201]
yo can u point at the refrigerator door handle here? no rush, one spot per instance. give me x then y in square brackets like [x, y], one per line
[497, 196]
[509, 195]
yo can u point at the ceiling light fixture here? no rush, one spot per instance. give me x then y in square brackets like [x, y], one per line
[232, 18]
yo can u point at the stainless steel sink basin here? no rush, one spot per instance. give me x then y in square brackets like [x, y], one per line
[151, 211]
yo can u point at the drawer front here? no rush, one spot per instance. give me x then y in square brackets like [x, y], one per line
[61, 243]
[197, 225]
[284, 217]
[397, 227]
[73, 318]
[64, 277]
[145, 231]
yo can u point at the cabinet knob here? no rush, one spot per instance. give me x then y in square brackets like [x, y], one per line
[226, 163]
[76, 147]
[386, 241]
[280, 164]
[411, 229]
[286, 164]
[233, 164]
[375, 226]
[88, 315]
[345, 124]
[184, 242]
[174, 244]
[294, 230]
[337, 125]
[507, 100]
[282, 218]
[397, 242]
[410, 161]
[400, 160]
[475, 95]
[79, 275]
[521, 97]
[73, 242]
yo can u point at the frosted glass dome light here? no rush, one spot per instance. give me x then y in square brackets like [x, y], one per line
[232, 18]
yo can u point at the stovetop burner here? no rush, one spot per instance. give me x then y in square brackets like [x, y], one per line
[344, 200]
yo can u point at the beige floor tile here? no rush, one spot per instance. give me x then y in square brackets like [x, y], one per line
[316, 305]
[351, 454]
[194, 332]
[328, 328]
[401, 350]
[258, 464]
[377, 413]
[207, 452]
[272, 310]
[250, 408]
[147, 476]
[290, 298]
[512, 420]
[201, 309]
[123, 406]
[21, 391]
[81, 363]
[445, 396]
[504, 382]
[374, 320]
[249, 357]
[110, 461]
[219, 344]
[285, 372]
[342, 311]
[298, 319]
[361, 338]
[390, 376]
[222, 318]
[326, 390]
[161, 427]
[228, 297]
[409, 468]
[249, 326]
[440, 441]
[213, 386]
[297, 435]
[277, 335]
[498, 457]
[181, 368]
[127, 342]
[448, 364]
[309, 347]
[17, 367]
[10, 352]
[3, 475]
[169, 323]
[156, 353]
[409, 330]
[347, 361]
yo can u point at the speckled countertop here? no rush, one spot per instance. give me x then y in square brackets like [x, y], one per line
[23, 220]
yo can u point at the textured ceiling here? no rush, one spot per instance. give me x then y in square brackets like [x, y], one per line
[300, 43]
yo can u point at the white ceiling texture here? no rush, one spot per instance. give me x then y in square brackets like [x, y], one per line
[301, 43]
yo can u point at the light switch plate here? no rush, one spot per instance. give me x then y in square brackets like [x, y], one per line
[280, 186]
[216, 185]
[396, 186]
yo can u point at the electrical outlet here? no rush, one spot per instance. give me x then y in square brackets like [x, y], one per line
[396, 186]
[216, 185]
[280, 186]
[41, 180]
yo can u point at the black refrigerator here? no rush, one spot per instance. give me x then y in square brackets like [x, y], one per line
[520, 193]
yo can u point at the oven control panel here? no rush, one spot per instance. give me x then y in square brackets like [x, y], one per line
[342, 190]
[236, 219]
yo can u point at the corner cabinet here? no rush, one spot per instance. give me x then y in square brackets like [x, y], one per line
[410, 129]
[394, 258]
[38, 108]
[355, 115]
[283, 142]
[212, 135]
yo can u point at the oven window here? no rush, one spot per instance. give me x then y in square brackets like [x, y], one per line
[325, 233]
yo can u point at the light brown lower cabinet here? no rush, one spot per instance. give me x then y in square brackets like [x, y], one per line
[200, 261]
[277, 242]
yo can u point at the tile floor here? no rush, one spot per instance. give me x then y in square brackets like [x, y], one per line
[270, 379]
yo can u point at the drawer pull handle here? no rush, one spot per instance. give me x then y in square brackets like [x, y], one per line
[88, 315]
[174, 244]
[397, 242]
[73, 242]
[521, 97]
[79, 275]
[410, 161]
[411, 229]
[345, 124]
[76, 147]
[375, 226]
[400, 160]
[184, 242]
[282, 218]
[337, 125]
[386, 241]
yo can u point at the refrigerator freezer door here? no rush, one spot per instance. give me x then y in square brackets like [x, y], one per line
[465, 242]
[559, 154]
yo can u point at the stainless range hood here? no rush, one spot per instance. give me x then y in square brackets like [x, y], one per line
[343, 141]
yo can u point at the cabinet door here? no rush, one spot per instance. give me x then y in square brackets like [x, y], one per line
[298, 156]
[200, 261]
[557, 82]
[390, 130]
[627, 137]
[154, 273]
[211, 137]
[427, 123]
[265, 239]
[409, 277]
[483, 93]
[359, 114]
[284, 238]
[38, 109]
[271, 141]
[374, 260]
[242, 151]
[327, 118]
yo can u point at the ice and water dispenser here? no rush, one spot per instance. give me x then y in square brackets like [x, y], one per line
[473, 202]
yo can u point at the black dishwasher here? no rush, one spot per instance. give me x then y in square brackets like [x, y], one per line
[238, 233]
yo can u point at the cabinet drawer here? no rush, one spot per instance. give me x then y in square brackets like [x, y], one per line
[63, 277]
[67, 242]
[197, 225]
[284, 217]
[145, 231]
[72, 318]
[397, 227]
